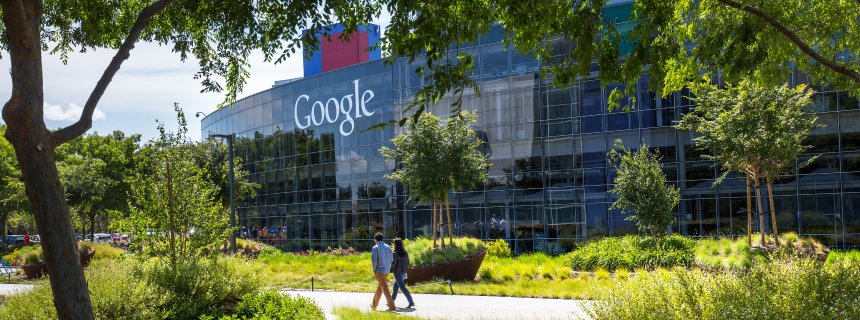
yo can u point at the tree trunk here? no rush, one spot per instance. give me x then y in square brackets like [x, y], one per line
[92, 217]
[35, 151]
[440, 227]
[448, 209]
[171, 227]
[749, 213]
[3, 218]
[434, 226]
[761, 226]
[772, 212]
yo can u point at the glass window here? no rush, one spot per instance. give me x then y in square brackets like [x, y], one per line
[591, 124]
[494, 61]
[850, 126]
[592, 101]
[823, 102]
[623, 120]
[847, 102]
[818, 213]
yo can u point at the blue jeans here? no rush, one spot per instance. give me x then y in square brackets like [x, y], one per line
[399, 283]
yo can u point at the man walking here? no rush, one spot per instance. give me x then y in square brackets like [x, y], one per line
[381, 258]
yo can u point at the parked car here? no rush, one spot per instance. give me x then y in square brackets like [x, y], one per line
[99, 238]
[119, 239]
[14, 239]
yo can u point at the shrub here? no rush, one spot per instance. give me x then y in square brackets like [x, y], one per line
[126, 290]
[273, 305]
[796, 289]
[18, 254]
[422, 253]
[198, 287]
[498, 249]
[103, 251]
[32, 258]
[114, 291]
[341, 251]
[630, 252]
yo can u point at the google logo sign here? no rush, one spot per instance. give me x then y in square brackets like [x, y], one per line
[351, 106]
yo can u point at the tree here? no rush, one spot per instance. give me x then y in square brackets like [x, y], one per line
[466, 165]
[675, 42]
[435, 158]
[85, 186]
[94, 170]
[12, 199]
[753, 130]
[420, 165]
[642, 190]
[211, 156]
[175, 210]
[220, 35]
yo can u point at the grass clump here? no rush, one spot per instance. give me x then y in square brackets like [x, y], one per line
[736, 254]
[422, 252]
[355, 314]
[851, 257]
[723, 253]
[630, 252]
[783, 289]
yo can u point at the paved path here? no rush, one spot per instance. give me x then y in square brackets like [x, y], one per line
[453, 307]
[9, 289]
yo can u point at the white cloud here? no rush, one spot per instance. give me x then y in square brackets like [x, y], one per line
[72, 112]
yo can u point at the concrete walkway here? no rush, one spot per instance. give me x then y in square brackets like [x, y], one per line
[453, 307]
[10, 289]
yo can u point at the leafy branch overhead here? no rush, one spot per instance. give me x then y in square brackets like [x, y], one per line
[674, 42]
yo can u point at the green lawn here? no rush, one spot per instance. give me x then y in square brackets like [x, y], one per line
[533, 275]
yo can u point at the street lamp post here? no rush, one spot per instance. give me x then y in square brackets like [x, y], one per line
[232, 200]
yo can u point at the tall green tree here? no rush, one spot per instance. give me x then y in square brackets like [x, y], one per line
[94, 171]
[176, 214]
[220, 35]
[13, 202]
[434, 158]
[641, 188]
[419, 164]
[755, 130]
[465, 165]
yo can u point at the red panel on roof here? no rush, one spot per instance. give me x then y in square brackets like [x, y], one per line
[338, 53]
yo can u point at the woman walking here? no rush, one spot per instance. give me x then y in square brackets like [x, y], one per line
[398, 268]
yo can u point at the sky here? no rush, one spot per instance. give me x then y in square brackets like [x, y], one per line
[143, 91]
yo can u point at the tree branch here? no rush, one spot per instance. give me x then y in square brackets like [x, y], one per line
[851, 74]
[86, 121]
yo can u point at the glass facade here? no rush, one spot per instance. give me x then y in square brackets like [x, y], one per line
[308, 145]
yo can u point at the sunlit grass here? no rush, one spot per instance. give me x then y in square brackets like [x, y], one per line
[531, 275]
[355, 314]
